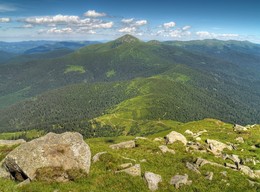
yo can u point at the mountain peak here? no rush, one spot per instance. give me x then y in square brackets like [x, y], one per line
[127, 39]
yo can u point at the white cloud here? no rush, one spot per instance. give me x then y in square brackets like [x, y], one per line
[7, 8]
[60, 31]
[127, 21]
[107, 25]
[127, 30]
[140, 23]
[185, 28]
[53, 19]
[5, 20]
[169, 25]
[206, 34]
[28, 26]
[93, 13]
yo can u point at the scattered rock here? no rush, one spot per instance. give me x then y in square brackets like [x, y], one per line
[175, 136]
[192, 167]
[97, 156]
[152, 180]
[232, 166]
[239, 128]
[198, 139]
[67, 151]
[179, 180]
[200, 162]
[189, 132]
[234, 158]
[133, 171]
[247, 171]
[123, 145]
[224, 173]
[240, 140]
[253, 183]
[125, 165]
[217, 147]
[165, 149]
[159, 139]
[12, 142]
[143, 160]
[209, 175]
[257, 173]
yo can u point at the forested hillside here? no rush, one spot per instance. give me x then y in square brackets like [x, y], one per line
[125, 84]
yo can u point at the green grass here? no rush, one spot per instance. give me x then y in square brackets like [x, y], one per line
[102, 175]
[110, 73]
[74, 68]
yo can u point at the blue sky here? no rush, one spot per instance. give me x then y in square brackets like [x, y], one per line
[146, 19]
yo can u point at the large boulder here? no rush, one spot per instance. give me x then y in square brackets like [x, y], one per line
[175, 136]
[52, 154]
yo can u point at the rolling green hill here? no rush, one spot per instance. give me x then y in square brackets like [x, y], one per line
[128, 86]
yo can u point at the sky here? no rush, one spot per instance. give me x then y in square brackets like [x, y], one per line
[22, 20]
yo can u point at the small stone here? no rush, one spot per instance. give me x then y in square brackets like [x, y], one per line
[192, 167]
[179, 180]
[97, 156]
[133, 171]
[189, 132]
[198, 139]
[175, 136]
[165, 149]
[240, 140]
[152, 180]
[123, 145]
[125, 165]
[239, 128]
[141, 138]
[143, 160]
[224, 173]
[209, 175]
[159, 139]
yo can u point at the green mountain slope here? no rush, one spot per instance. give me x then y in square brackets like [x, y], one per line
[127, 85]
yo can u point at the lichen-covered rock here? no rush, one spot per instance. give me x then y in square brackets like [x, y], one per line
[209, 176]
[240, 140]
[152, 180]
[192, 167]
[123, 145]
[66, 152]
[179, 180]
[175, 136]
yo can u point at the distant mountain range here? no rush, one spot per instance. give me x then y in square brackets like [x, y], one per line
[126, 83]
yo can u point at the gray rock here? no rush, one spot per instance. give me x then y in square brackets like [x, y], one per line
[12, 142]
[133, 171]
[189, 132]
[175, 136]
[247, 171]
[125, 165]
[217, 147]
[239, 128]
[209, 176]
[234, 158]
[179, 180]
[97, 156]
[152, 180]
[232, 166]
[240, 140]
[192, 167]
[159, 139]
[165, 149]
[123, 145]
[67, 151]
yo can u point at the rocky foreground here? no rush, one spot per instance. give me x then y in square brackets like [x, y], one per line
[186, 160]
